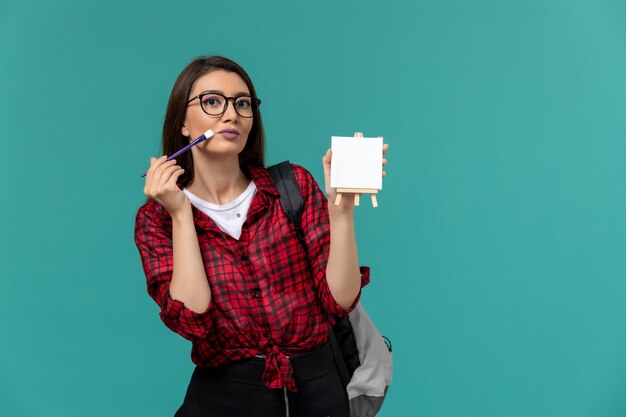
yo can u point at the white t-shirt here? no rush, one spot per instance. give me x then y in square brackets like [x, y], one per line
[229, 217]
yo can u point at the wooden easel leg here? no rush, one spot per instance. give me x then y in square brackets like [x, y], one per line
[338, 199]
[356, 199]
[374, 201]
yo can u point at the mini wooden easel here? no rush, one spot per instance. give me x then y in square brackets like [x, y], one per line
[357, 191]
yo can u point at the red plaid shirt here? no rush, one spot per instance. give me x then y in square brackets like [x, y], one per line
[267, 298]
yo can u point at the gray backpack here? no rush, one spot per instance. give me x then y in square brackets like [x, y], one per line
[362, 354]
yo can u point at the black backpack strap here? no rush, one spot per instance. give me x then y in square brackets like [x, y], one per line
[290, 194]
[340, 362]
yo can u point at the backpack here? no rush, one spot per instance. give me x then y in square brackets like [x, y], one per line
[362, 354]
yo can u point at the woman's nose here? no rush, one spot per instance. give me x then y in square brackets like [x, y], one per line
[230, 113]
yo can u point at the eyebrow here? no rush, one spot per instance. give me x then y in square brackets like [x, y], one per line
[238, 94]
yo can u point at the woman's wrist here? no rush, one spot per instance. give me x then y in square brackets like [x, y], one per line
[182, 215]
[340, 213]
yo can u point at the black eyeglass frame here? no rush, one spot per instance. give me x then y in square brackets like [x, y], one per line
[255, 103]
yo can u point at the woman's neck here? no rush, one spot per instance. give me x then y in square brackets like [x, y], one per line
[218, 180]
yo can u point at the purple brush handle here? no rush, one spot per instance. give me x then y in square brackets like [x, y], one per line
[201, 138]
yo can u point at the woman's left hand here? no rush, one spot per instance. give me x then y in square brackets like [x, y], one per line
[347, 200]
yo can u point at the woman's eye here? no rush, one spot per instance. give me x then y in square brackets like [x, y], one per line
[244, 103]
[211, 101]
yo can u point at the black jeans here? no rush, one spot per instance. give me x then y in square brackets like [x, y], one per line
[236, 390]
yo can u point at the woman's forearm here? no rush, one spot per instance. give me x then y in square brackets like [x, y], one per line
[342, 269]
[189, 281]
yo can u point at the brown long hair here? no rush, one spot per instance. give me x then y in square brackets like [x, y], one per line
[253, 154]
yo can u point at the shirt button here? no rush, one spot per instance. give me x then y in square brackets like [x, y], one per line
[256, 293]
[266, 334]
[244, 257]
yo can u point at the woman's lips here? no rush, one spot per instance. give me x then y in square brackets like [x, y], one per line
[229, 133]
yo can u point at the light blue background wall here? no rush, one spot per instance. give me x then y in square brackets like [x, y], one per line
[497, 253]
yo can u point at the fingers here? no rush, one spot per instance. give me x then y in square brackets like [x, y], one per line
[168, 174]
[160, 174]
[160, 170]
[155, 163]
[328, 156]
[385, 149]
[170, 185]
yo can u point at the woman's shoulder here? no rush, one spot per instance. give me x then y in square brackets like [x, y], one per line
[305, 179]
[303, 176]
[301, 172]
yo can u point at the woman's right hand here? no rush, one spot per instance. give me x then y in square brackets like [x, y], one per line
[161, 185]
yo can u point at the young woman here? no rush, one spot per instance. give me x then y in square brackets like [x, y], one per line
[228, 269]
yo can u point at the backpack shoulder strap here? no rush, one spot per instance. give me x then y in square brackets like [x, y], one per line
[290, 194]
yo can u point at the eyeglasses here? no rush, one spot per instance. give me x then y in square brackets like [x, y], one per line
[215, 104]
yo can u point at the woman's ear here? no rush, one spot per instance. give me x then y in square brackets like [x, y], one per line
[184, 131]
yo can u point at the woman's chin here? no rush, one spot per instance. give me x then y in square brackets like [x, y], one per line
[223, 148]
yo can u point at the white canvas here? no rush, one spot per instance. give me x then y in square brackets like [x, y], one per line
[356, 162]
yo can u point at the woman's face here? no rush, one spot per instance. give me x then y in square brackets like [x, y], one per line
[231, 130]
